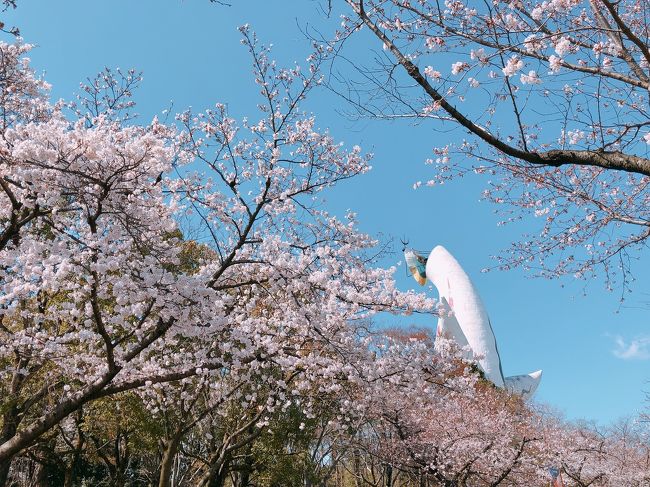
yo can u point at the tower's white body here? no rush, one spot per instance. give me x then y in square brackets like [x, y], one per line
[448, 327]
[464, 319]
[455, 286]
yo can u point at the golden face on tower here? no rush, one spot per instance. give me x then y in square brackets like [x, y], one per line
[416, 265]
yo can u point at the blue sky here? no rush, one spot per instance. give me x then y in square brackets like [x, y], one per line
[595, 354]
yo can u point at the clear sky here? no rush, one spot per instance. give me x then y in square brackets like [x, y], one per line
[595, 354]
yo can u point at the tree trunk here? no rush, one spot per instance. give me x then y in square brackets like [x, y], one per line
[40, 478]
[9, 428]
[356, 468]
[217, 474]
[245, 476]
[220, 475]
[4, 471]
[69, 477]
[71, 470]
[246, 467]
[389, 475]
[122, 456]
[167, 462]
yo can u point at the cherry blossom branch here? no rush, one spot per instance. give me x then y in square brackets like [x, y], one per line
[614, 160]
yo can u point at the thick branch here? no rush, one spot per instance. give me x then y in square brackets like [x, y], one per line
[613, 160]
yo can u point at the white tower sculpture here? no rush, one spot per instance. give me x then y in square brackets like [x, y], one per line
[464, 318]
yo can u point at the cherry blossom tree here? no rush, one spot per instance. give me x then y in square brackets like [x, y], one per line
[550, 99]
[448, 426]
[173, 297]
[102, 293]
[456, 429]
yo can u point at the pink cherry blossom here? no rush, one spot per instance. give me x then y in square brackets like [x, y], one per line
[592, 55]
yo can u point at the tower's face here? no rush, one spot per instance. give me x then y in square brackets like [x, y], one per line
[416, 265]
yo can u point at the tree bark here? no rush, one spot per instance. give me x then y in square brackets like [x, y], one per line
[247, 467]
[356, 464]
[4, 471]
[167, 462]
[9, 426]
[71, 471]
[217, 473]
[389, 475]
[72, 468]
[40, 477]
